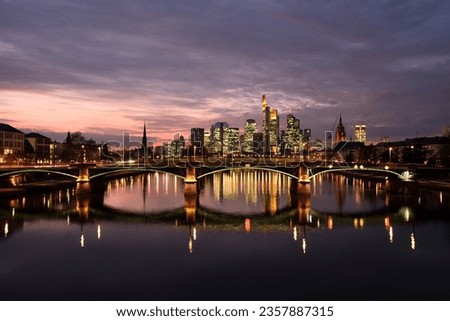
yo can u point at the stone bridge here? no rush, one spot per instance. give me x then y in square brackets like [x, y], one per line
[85, 174]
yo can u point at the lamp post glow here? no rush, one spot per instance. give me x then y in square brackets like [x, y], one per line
[390, 154]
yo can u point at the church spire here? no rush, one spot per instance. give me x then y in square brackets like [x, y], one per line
[68, 138]
[144, 137]
[144, 144]
[340, 131]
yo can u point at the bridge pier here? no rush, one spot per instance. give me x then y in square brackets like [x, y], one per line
[190, 182]
[83, 180]
[303, 184]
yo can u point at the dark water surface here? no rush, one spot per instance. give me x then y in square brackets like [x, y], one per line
[244, 238]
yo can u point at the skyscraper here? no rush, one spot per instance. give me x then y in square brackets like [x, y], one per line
[219, 138]
[340, 132]
[292, 139]
[265, 125]
[233, 141]
[198, 137]
[360, 133]
[274, 131]
[249, 130]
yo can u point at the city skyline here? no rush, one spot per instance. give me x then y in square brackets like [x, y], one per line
[105, 69]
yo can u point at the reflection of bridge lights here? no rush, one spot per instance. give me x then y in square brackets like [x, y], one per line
[419, 200]
[295, 233]
[99, 232]
[318, 222]
[6, 229]
[391, 234]
[304, 245]
[406, 213]
[358, 223]
[330, 222]
[13, 212]
[413, 241]
[191, 245]
[387, 222]
[194, 234]
[440, 197]
[82, 240]
[247, 225]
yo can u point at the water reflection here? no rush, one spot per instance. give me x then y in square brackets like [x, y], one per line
[146, 194]
[344, 195]
[211, 232]
[246, 192]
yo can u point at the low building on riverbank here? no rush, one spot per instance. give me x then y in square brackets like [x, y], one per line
[11, 144]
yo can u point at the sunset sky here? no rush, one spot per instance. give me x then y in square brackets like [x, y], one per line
[105, 67]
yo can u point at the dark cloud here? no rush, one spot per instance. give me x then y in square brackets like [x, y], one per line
[197, 62]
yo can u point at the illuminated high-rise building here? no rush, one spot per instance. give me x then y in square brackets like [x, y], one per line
[219, 138]
[274, 131]
[360, 133]
[233, 141]
[207, 138]
[265, 126]
[249, 131]
[340, 135]
[293, 138]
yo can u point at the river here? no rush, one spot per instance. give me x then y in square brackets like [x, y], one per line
[245, 237]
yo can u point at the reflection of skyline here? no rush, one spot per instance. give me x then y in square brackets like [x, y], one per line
[267, 191]
[145, 193]
[351, 195]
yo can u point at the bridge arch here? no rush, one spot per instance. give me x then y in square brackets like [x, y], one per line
[25, 171]
[134, 171]
[403, 176]
[267, 169]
